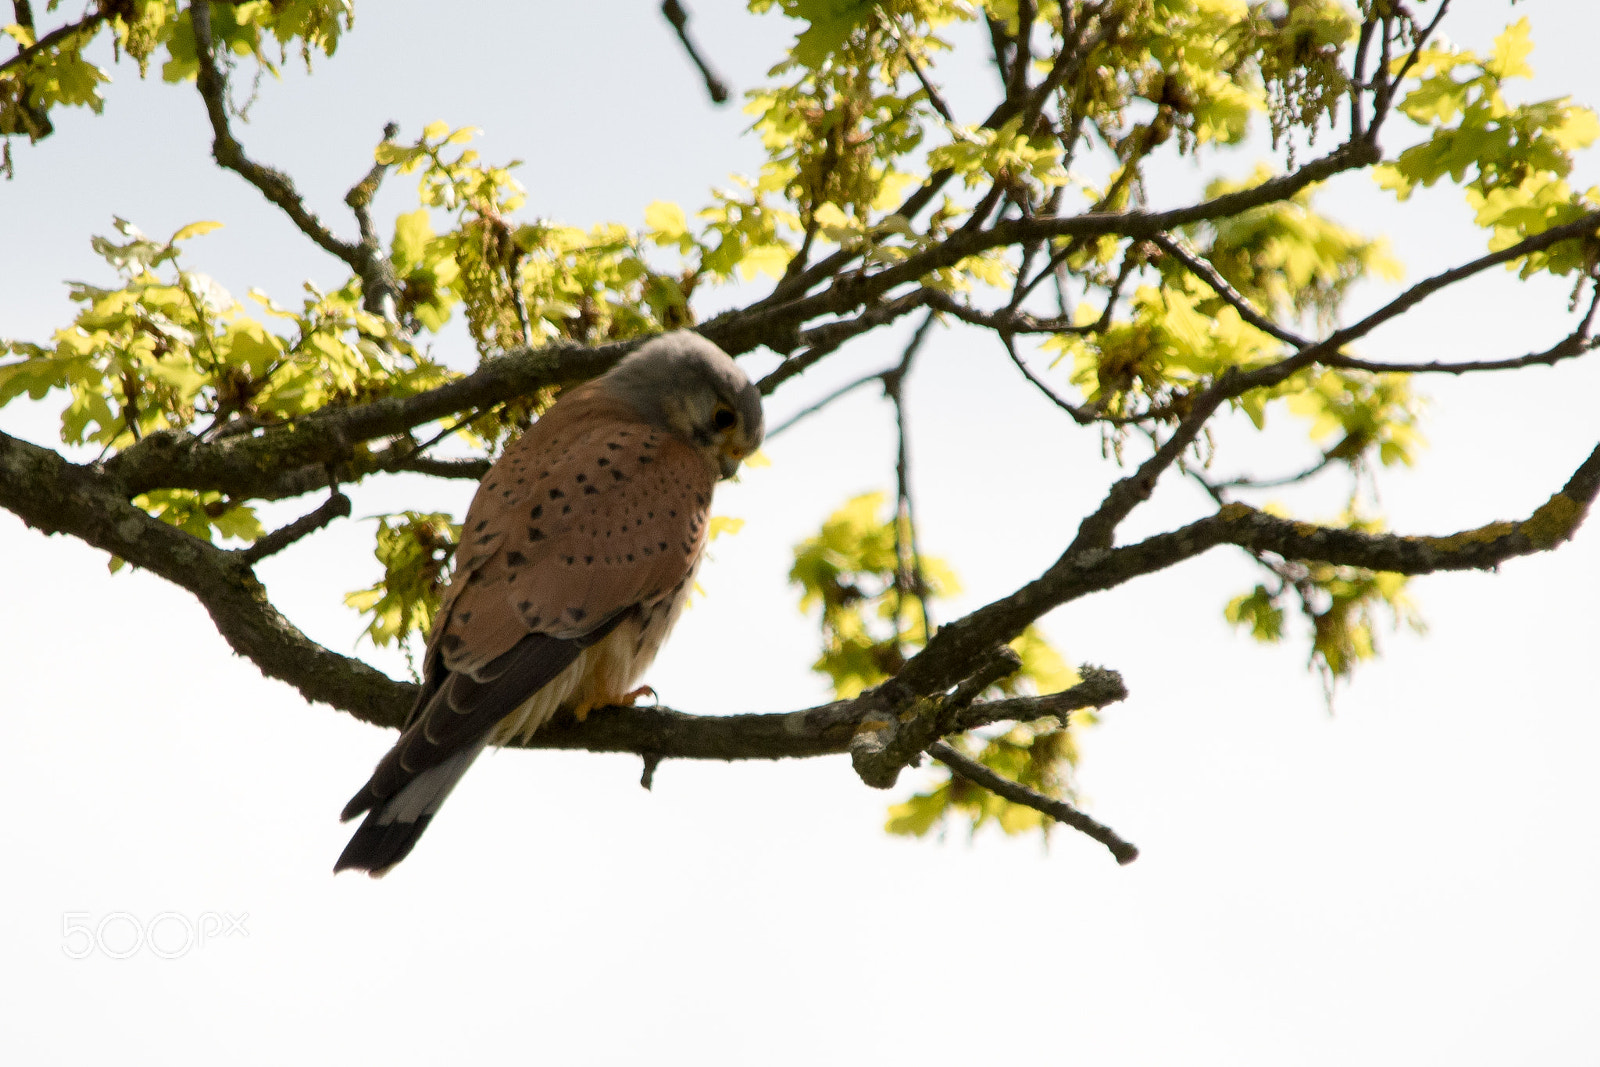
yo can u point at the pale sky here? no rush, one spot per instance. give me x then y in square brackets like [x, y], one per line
[1411, 879]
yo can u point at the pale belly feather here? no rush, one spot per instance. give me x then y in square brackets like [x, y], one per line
[604, 673]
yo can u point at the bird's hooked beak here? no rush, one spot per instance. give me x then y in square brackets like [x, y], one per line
[729, 455]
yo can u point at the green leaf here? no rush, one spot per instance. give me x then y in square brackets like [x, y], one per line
[194, 229]
[1511, 50]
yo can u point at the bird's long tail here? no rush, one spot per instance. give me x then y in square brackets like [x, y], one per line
[391, 829]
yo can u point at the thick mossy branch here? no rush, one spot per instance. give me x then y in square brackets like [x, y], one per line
[962, 646]
[55, 496]
[820, 731]
[292, 459]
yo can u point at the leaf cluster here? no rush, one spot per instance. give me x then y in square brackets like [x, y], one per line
[848, 575]
[1512, 161]
[414, 548]
[50, 69]
[171, 350]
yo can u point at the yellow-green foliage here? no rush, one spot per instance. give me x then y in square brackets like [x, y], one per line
[1289, 260]
[170, 349]
[1512, 161]
[258, 30]
[848, 570]
[1352, 415]
[415, 550]
[1340, 603]
[847, 574]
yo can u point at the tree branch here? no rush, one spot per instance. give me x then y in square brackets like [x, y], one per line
[53, 38]
[365, 259]
[932, 91]
[55, 496]
[908, 578]
[1081, 415]
[824, 730]
[821, 341]
[679, 18]
[473, 469]
[250, 465]
[825, 401]
[1008, 320]
[958, 646]
[769, 321]
[246, 465]
[337, 506]
[1017, 793]
[1583, 226]
[1097, 530]
[1208, 274]
[380, 287]
[1098, 688]
[1576, 343]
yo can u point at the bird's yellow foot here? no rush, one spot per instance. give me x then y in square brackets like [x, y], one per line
[626, 700]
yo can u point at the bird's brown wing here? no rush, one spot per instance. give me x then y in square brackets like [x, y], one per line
[582, 521]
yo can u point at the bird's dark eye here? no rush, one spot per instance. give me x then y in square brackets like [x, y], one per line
[723, 418]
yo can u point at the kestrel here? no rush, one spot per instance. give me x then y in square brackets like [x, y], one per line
[575, 560]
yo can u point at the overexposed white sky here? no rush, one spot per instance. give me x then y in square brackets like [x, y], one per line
[1413, 878]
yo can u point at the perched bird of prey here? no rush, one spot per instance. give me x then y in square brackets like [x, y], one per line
[575, 559]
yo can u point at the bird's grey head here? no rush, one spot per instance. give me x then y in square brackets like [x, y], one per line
[684, 384]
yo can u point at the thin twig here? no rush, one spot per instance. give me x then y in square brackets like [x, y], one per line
[908, 558]
[464, 420]
[337, 506]
[825, 401]
[680, 21]
[1097, 530]
[380, 287]
[1383, 96]
[518, 301]
[1021, 50]
[1208, 274]
[1577, 343]
[1030, 252]
[1081, 415]
[470, 469]
[367, 262]
[1098, 688]
[1059, 810]
[1007, 320]
[927, 86]
[1358, 77]
[1579, 227]
[1270, 483]
[53, 38]
[823, 340]
[1003, 664]
[647, 777]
